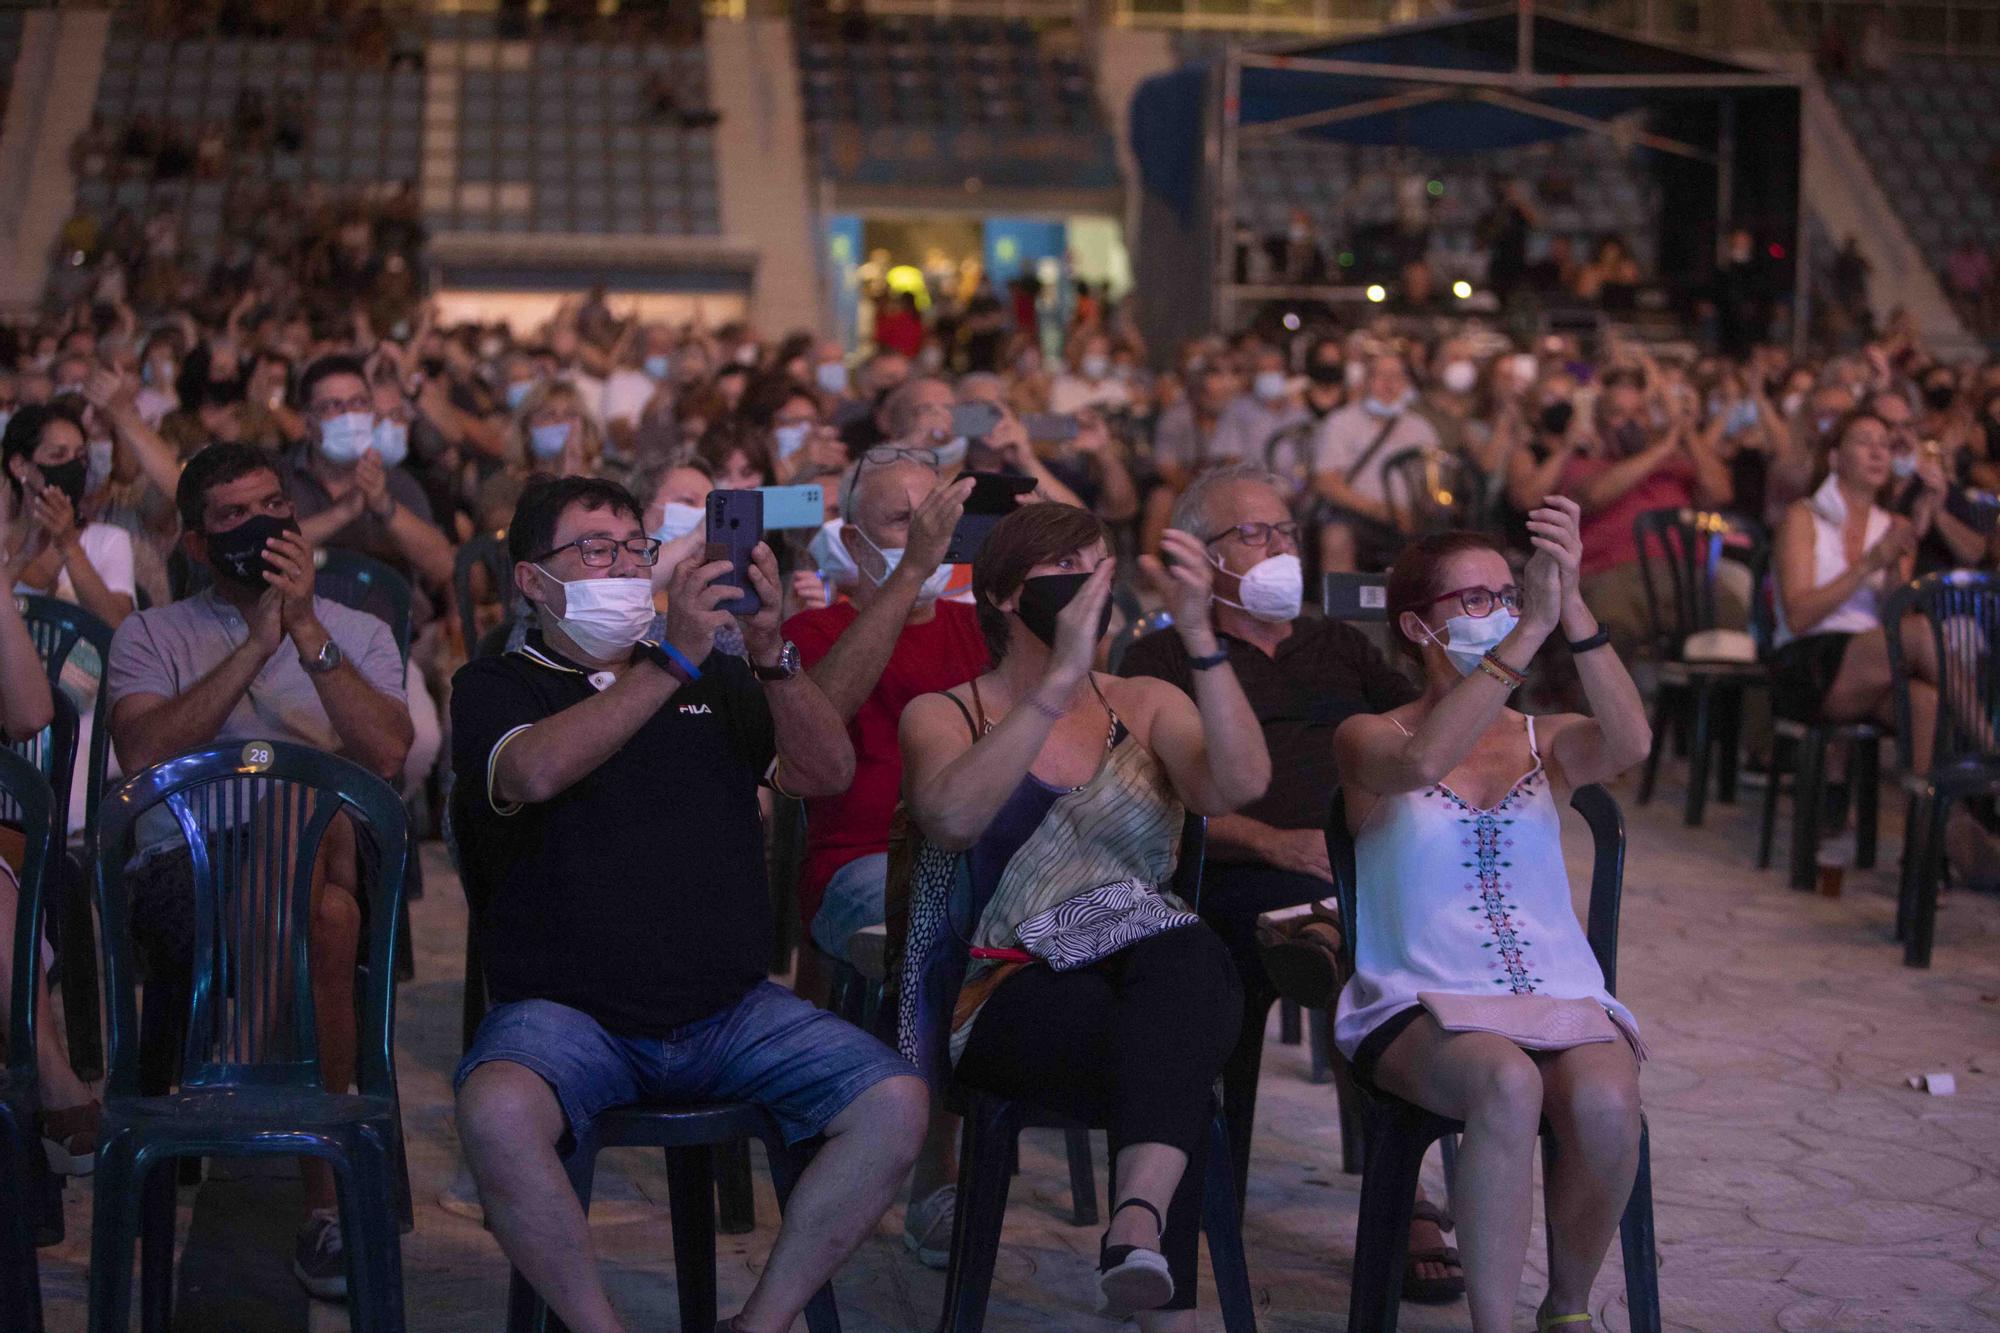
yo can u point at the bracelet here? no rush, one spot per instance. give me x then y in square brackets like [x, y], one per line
[1500, 671]
[1577, 647]
[1053, 714]
[675, 655]
[1209, 663]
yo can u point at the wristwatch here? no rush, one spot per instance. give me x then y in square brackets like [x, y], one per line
[326, 659]
[786, 667]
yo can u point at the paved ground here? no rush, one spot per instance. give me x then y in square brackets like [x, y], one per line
[1800, 1183]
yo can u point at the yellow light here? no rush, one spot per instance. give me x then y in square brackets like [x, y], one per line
[1461, 289]
[1376, 293]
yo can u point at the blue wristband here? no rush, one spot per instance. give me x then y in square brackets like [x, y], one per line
[693, 671]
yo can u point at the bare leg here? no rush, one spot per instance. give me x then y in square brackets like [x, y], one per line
[852, 1181]
[509, 1124]
[1149, 1171]
[1591, 1098]
[1336, 549]
[61, 1089]
[1489, 1083]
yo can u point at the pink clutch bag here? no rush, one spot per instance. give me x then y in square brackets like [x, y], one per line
[1536, 1022]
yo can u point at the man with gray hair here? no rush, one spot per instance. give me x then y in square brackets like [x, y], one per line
[1304, 676]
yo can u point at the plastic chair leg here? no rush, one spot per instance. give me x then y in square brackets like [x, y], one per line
[1289, 1020]
[735, 1203]
[1663, 703]
[1239, 1089]
[156, 1246]
[690, 1187]
[1353, 1119]
[20, 1272]
[1448, 1152]
[1808, 791]
[82, 1019]
[1923, 907]
[1319, 1034]
[1082, 1178]
[1728, 741]
[1769, 822]
[1916, 818]
[1636, 1243]
[114, 1232]
[1221, 1220]
[1867, 787]
[1699, 750]
[374, 1248]
[1396, 1148]
[991, 1126]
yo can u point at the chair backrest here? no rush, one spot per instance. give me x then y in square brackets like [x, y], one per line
[1289, 453]
[1427, 490]
[1680, 553]
[29, 801]
[52, 751]
[254, 816]
[366, 584]
[1962, 610]
[1607, 875]
[76, 648]
[487, 551]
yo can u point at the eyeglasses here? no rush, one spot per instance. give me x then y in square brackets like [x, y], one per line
[1479, 602]
[890, 453]
[328, 409]
[1257, 534]
[602, 552]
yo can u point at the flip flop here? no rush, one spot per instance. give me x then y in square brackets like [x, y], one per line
[1432, 1290]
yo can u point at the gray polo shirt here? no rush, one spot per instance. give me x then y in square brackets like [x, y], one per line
[168, 649]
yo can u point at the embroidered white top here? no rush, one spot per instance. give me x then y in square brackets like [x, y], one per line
[1466, 901]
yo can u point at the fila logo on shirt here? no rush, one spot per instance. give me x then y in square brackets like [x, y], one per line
[697, 710]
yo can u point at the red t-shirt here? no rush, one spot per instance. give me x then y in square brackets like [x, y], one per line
[1607, 534]
[944, 651]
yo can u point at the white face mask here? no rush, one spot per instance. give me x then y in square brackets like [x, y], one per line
[790, 438]
[604, 617]
[546, 442]
[1382, 411]
[831, 376]
[1791, 403]
[1460, 376]
[1273, 590]
[392, 441]
[1903, 466]
[1269, 385]
[100, 454]
[1470, 638]
[830, 557]
[344, 439]
[1095, 366]
[892, 556]
[677, 521]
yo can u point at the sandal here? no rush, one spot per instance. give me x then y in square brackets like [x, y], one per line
[69, 1138]
[1132, 1278]
[1545, 1322]
[1432, 1290]
[1302, 952]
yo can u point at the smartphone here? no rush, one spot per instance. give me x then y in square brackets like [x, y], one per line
[994, 496]
[735, 526]
[792, 507]
[974, 421]
[1050, 427]
[1355, 597]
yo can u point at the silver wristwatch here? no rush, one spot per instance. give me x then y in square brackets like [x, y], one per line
[326, 659]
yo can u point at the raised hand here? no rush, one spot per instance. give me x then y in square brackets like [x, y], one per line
[289, 557]
[761, 633]
[1075, 648]
[1553, 529]
[1185, 577]
[1897, 543]
[932, 525]
[692, 596]
[55, 516]
[371, 482]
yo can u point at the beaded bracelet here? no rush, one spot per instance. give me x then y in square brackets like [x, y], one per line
[1500, 671]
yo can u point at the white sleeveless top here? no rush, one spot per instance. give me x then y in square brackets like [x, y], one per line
[1466, 901]
[1862, 611]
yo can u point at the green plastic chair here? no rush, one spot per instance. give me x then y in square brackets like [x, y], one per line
[30, 1197]
[253, 815]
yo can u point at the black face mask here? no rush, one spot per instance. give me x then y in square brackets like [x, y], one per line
[69, 478]
[238, 554]
[1326, 373]
[1044, 597]
[1556, 416]
[1628, 439]
[1938, 397]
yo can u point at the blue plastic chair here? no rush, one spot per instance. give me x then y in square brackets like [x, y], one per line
[68, 636]
[363, 583]
[253, 816]
[993, 1126]
[1962, 611]
[487, 551]
[30, 1196]
[1396, 1134]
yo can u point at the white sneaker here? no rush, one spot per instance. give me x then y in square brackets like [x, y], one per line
[927, 1225]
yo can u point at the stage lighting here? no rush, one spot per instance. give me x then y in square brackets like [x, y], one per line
[1462, 290]
[1291, 321]
[1436, 189]
[1377, 293]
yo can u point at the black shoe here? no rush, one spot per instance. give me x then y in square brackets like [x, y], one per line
[1132, 1278]
[320, 1263]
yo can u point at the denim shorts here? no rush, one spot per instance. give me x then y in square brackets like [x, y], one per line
[854, 898]
[770, 1048]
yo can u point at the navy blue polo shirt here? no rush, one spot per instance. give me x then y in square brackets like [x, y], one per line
[638, 895]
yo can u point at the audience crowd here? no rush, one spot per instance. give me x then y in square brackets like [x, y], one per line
[189, 457]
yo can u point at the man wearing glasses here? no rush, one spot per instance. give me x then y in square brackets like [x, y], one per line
[1304, 676]
[612, 840]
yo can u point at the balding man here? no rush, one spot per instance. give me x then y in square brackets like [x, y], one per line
[1357, 528]
[890, 641]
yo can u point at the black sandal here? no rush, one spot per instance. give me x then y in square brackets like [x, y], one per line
[1432, 1290]
[1131, 1278]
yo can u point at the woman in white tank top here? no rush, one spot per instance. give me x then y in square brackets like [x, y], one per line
[1462, 900]
[1838, 555]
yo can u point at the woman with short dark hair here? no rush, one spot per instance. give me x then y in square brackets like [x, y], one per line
[1091, 989]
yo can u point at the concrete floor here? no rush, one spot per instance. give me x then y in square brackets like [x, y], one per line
[1800, 1183]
